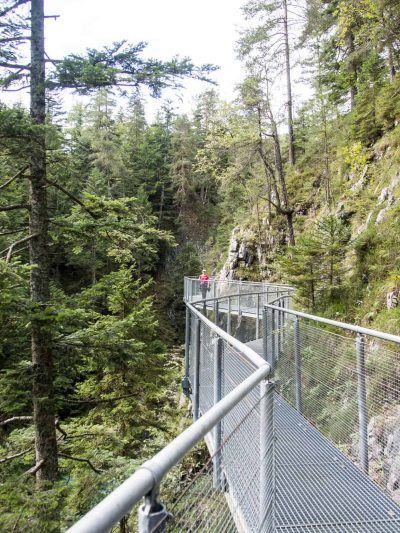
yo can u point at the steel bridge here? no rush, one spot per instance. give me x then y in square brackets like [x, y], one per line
[284, 405]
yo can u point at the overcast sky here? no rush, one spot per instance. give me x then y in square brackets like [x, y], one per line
[205, 30]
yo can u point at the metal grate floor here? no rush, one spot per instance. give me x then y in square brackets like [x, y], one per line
[318, 489]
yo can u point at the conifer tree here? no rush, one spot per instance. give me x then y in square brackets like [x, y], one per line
[118, 65]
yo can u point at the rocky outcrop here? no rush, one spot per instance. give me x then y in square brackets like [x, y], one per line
[242, 253]
[387, 196]
[384, 450]
[362, 182]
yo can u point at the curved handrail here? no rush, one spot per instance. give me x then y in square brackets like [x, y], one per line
[148, 476]
[251, 356]
[117, 504]
[242, 282]
[227, 296]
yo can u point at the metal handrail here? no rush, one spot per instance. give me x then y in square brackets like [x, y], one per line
[148, 476]
[349, 327]
[248, 353]
[227, 296]
[241, 282]
[117, 504]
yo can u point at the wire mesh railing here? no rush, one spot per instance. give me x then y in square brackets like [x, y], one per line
[232, 410]
[346, 381]
[289, 454]
[225, 494]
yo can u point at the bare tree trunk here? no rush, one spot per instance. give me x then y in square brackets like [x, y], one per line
[292, 151]
[94, 266]
[353, 70]
[392, 68]
[276, 174]
[328, 190]
[280, 172]
[43, 393]
[161, 209]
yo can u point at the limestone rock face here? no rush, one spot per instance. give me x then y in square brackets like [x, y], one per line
[241, 253]
[362, 182]
[387, 195]
[384, 449]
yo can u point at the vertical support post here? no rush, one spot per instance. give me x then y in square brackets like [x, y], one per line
[283, 320]
[362, 404]
[186, 378]
[228, 320]
[273, 335]
[238, 312]
[216, 312]
[217, 471]
[258, 317]
[268, 353]
[297, 363]
[187, 343]
[278, 332]
[267, 459]
[196, 394]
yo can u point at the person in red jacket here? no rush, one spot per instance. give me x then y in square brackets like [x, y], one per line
[204, 279]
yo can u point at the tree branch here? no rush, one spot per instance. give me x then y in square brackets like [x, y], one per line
[18, 3]
[14, 207]
[12, 39]
[80, 460]
[71, 196]
[12, 232]
[15, 456]
[17, 175]
[14, 244]
[63, 433]
[16, 419]
[105, 400]
[34, 469]
[4, 64]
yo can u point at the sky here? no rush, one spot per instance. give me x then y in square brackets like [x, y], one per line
[204, 30]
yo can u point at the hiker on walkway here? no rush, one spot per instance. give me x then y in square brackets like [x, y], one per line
[204, 284]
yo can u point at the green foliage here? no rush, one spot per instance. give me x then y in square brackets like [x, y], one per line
[315, 265]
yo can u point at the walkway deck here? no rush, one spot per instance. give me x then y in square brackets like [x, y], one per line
[311, 470]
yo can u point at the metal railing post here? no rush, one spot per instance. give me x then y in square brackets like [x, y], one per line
[268, 353]
[196, 392]
[362, 404]
[267, 461]
[152, 516]
[217, 471]
[297, 363]
[273, 335]
[228, 320]
[258, 317]
[278, 332]
[280, 326]
[216, 312]
[186, 379]
[238, 299]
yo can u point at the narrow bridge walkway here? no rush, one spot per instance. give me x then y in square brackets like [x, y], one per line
[286, 404]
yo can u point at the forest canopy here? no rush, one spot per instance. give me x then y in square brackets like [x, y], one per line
[103, 212]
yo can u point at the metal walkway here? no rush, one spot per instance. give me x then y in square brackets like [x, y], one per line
[283, 405]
